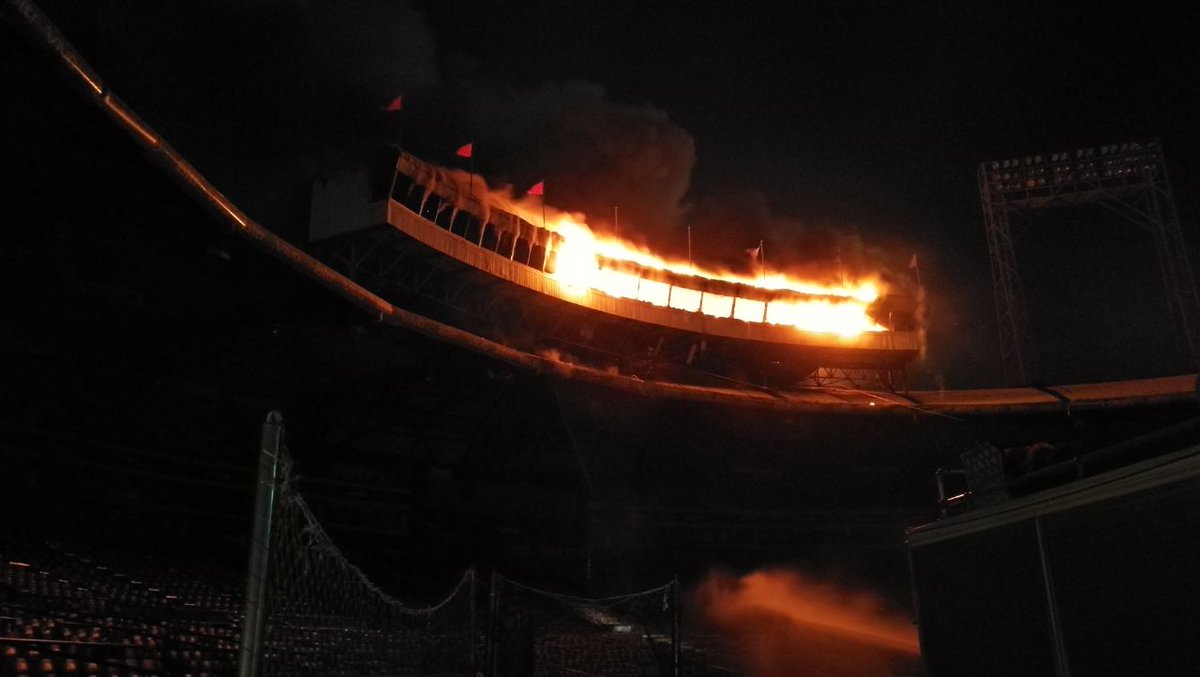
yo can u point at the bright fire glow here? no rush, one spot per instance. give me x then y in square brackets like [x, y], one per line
[836, 309]
[585, 262]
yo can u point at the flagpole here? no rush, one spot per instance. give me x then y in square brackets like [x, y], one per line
[762, 253]
[690, 264]
[396, 106]
[468, 151]
[539, 189]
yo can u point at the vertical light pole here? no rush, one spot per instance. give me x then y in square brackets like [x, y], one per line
[250, 650]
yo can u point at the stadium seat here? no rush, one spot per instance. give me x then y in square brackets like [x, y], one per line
[16, 666]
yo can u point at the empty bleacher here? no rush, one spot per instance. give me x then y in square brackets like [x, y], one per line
[67, 613]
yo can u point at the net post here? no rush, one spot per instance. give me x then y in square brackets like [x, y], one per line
[492, 611]
[471, 627]
[676, 628]
[250, 649]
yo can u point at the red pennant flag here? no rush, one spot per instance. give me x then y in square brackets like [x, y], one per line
[395, 104]
[538, 189]
[912, 263]
[466, 150]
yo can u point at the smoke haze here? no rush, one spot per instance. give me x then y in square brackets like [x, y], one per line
[784, 624]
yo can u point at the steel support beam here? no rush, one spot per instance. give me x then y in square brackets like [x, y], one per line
[1129, 180]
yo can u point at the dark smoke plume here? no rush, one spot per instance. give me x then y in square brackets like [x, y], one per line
[265, 95]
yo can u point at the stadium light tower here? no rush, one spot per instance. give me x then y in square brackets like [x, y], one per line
[1128, 179]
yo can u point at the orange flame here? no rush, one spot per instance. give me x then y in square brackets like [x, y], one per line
[587, 261]
[784, 624]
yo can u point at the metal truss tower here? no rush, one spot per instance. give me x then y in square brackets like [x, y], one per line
[1128, 179]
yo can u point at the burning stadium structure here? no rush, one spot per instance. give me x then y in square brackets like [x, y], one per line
[460, 396]
[439, 240]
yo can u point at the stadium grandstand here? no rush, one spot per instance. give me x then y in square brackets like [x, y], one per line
[227, 451]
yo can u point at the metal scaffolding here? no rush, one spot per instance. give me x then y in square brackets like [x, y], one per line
[1128, 179]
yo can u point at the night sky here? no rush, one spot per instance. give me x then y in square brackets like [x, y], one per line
[831, 130]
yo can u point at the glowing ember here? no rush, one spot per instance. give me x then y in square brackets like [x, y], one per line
[585, 262]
